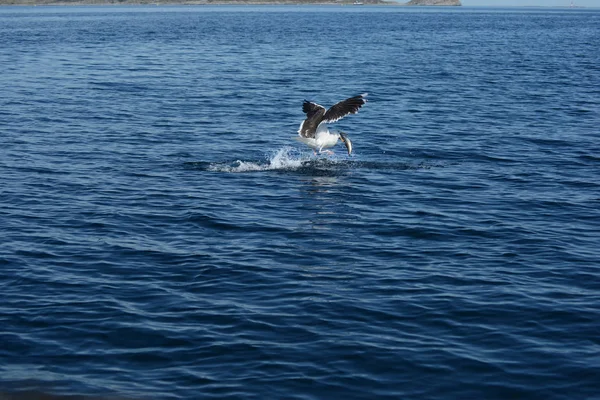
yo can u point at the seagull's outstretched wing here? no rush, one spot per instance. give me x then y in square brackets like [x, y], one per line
[311, 109]
[314, 115]
[344, 107]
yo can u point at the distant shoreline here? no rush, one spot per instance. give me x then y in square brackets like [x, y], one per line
[240, 2]
[247, 2]
[194, 2]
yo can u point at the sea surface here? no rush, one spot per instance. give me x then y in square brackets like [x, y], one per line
[163, 236]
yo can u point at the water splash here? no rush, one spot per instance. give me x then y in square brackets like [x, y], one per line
[286, 158]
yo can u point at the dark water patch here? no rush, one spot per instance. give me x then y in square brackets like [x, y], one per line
[589, 157]
[40, 395]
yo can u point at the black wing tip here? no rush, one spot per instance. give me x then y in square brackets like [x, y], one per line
[359, 100]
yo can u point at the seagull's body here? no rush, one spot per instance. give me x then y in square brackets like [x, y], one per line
[314, 131]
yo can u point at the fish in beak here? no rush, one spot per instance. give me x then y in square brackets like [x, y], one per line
[346, 142]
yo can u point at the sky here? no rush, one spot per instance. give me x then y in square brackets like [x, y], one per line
[549, 3]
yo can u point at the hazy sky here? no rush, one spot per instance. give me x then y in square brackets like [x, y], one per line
[550, 3]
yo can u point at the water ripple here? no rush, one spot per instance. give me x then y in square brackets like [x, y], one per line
[163, 238]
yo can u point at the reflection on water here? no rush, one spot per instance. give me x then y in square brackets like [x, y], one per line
[325, 203]
[320, 184]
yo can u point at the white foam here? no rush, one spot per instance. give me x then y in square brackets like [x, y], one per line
[286, 158]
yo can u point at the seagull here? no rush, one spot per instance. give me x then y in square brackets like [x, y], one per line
[313, 130]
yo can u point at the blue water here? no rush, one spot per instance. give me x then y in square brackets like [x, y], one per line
[163, 236]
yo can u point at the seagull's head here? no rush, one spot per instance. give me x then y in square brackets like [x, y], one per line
[344, 138]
